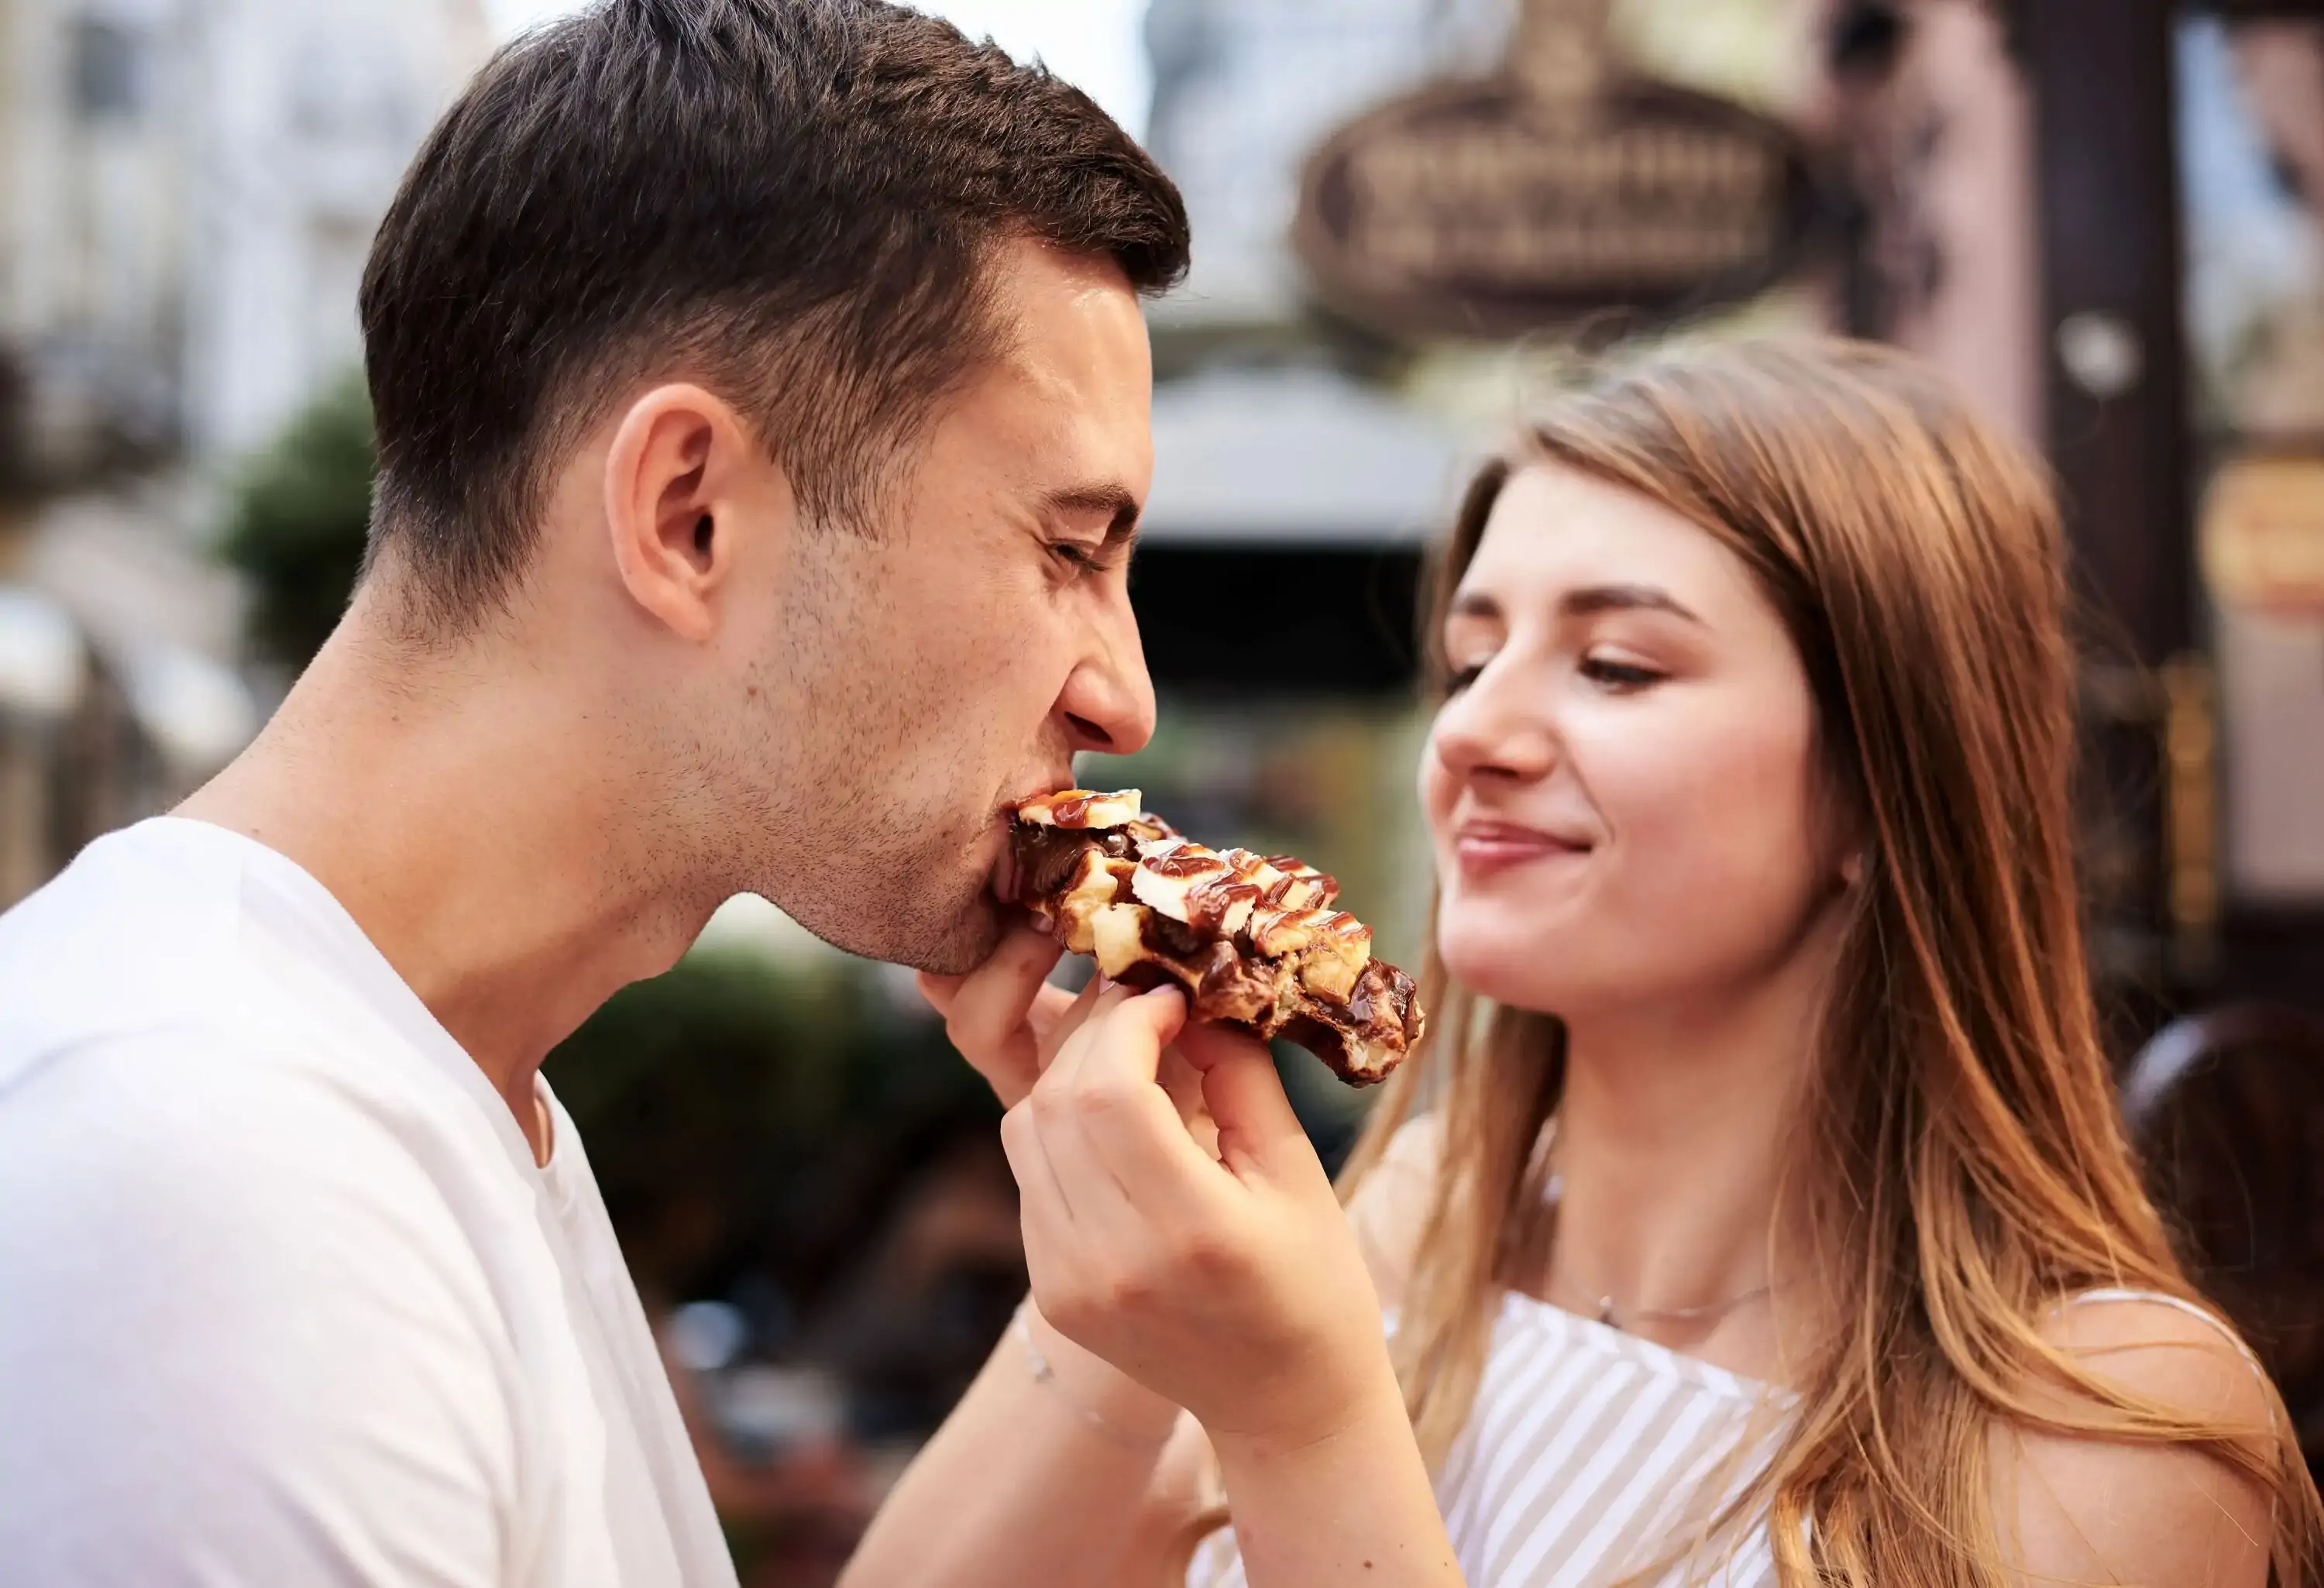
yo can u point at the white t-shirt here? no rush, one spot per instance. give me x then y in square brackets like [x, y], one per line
[284, 1298]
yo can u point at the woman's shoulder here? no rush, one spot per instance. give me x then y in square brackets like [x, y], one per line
[2154, 1345]
[2089, 1508]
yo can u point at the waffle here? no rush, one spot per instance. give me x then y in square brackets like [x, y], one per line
[1254, 940]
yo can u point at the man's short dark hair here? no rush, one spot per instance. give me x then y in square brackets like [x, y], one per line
[791, 201]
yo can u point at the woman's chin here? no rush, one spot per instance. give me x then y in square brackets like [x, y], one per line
[1528, 975]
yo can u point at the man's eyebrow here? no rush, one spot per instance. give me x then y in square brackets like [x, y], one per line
[1114, 503]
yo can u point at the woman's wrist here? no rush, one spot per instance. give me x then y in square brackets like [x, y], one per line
[1104, 1397]
[1338, 1499]
[1372, 1412]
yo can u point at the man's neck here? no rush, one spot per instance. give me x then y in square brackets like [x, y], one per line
[483, 837]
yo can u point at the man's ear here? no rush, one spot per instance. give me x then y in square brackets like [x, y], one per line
[681, 478]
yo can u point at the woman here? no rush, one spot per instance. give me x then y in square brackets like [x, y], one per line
[1768, 1219]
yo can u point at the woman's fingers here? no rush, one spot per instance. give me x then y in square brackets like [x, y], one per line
[986, 1011]
[1183, 1082]
[1206, 1046]
[1096, 1000]
[1259, 1133]
[1051, 1253]
[1142, 1193]
[1058, 1014]
[1233, 1287]
[1104, 1086]
[1109, 1224]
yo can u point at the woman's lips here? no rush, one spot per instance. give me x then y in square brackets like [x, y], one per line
[1483, 848]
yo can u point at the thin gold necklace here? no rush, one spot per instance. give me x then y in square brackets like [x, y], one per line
[1617, 1318]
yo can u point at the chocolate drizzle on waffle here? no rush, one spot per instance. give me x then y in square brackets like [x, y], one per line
[1254, 939]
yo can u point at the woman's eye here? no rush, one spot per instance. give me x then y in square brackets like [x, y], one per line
[1618, 675]
[1461, 678]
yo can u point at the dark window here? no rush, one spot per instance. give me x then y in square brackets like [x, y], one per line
[108, 70]
[1341, 619]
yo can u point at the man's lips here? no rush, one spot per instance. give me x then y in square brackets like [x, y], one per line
[1004, 867]
[1491, 845]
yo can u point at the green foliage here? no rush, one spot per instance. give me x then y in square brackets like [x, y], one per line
[721, 1052]
[732, 1111]
[296, 520]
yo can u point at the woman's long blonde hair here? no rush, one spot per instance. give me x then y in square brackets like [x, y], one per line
[1959, 1160]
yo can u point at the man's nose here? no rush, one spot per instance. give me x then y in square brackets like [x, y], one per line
[1108, 703]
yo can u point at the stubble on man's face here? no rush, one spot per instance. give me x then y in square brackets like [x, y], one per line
[921, 678]
[872, 760]
[910, 745]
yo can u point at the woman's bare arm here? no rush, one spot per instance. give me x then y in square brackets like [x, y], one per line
[1080, 1479]
[1024, 1484]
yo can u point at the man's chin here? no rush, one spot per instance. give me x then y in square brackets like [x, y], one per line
[969, 944]
[947, 944]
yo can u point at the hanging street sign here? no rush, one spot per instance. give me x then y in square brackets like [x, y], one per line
[1556, 189]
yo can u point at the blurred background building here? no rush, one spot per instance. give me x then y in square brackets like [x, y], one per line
[188, 190]
[2100, 216]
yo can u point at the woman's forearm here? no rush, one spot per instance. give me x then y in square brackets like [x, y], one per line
[1352, 1505]
[1027, 1481]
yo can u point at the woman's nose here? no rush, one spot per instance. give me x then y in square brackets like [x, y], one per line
[1495, 726]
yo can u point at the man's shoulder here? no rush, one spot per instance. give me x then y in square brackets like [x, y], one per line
[192, 1140]
[139, 931]
[167, 966]
[248, 1319]
[165, 1072]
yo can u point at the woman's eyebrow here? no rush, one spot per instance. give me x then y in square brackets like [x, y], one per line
[1597, 598]
[1584, 603]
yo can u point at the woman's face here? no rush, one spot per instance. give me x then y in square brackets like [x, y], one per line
[1621, 789]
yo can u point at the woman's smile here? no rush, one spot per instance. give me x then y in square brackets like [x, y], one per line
[1486, 849]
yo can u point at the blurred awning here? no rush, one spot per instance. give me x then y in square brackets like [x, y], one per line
[121, 577]
[1294, 456]
[42, 667]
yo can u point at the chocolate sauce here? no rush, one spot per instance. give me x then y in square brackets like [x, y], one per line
[1047, 857]
[1174, 938]
[1179, 863]
[1226, 979]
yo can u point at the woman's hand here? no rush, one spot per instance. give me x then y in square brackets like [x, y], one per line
[1009, 1022]
[1003, 1016]
[1229, 1282]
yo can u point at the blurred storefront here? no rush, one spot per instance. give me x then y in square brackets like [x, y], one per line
[2252, 148]
[188, 191]
[2100, 217]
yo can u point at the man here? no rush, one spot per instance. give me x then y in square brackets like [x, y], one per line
[762, 400]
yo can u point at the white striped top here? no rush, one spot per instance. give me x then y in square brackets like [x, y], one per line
[1593, 1456]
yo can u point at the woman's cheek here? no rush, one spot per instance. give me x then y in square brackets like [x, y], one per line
[1437, 792]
